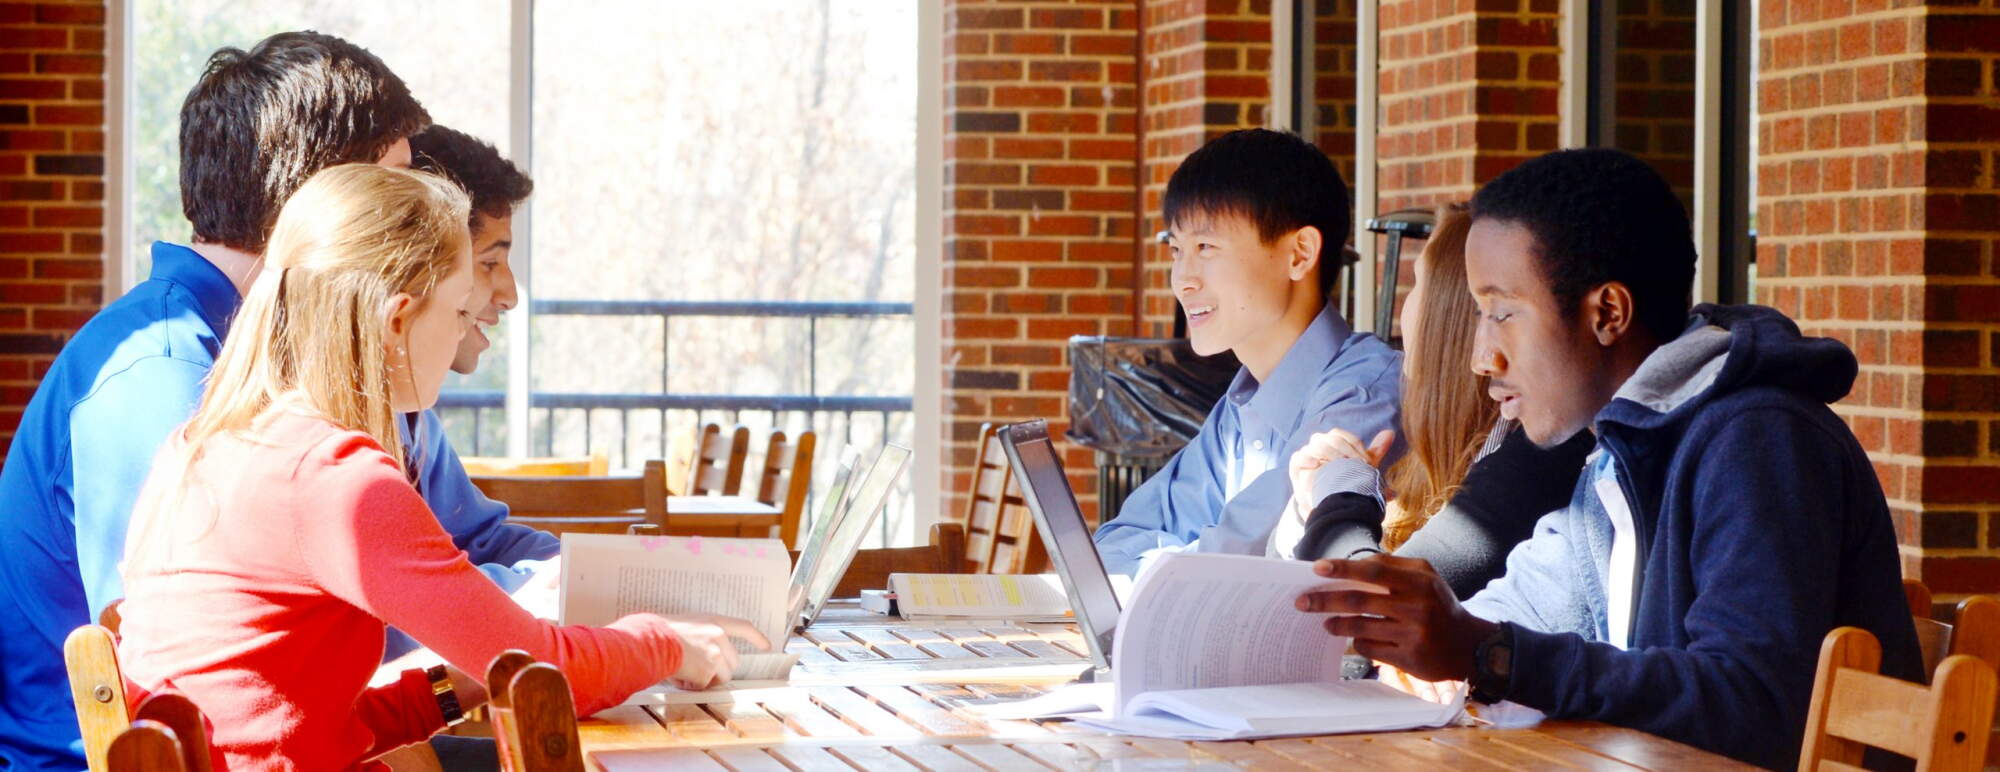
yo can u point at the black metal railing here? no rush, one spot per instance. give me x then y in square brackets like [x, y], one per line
[831, 414]
[834, 418]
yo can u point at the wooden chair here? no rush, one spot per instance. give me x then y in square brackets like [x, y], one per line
[999, 530]
[871, 568]
[593, 465]
[1854, 707]
[534, 721]
[787, 480]
[718, 463]
[97, 688]
[608, 504]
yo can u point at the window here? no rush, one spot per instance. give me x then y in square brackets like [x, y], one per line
[725, 216]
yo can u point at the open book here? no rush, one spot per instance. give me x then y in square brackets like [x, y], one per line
[1211, 647]
[607, 576]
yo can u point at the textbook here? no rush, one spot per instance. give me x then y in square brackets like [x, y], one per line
[607, 576]
[1211, 647]
[992, 596]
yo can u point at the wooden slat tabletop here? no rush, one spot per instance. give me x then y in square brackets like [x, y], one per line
[908, 716]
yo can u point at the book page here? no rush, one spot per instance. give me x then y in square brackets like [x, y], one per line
[607, 576]
[979, 595]
[1201, 620]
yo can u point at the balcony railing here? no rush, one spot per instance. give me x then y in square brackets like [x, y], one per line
[836, 419]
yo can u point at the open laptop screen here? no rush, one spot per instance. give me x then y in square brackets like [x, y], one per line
[1064, 532]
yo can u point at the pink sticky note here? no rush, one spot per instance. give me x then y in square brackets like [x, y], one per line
[762, 552]
[654, 542]
[694, 545]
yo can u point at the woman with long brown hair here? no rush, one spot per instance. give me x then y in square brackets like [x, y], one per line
[1471, 485]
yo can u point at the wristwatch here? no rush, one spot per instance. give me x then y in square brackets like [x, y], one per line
[1493, 665]
[447, 697]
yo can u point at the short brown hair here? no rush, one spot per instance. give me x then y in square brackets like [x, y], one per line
[258, 124]
[495, 184]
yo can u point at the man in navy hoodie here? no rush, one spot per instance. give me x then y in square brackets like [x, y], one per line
[1726, 521]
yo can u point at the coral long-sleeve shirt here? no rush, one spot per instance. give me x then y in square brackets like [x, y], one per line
[263, 592]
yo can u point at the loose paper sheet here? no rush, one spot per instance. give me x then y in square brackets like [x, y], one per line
[979, 595]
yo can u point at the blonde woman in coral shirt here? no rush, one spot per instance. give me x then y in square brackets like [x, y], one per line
[278, 533]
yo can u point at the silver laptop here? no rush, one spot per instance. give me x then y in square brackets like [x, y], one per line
[1065, 533]
[837, 534]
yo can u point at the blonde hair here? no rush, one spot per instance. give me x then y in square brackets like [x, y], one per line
[1446, 413]
[311, 330]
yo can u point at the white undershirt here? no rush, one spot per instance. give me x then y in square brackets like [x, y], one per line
[1624, 557]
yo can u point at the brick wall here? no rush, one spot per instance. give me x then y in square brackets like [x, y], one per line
[1468, 91]
[1208, 72]
[1040, 188]
[1877, 217]
[1653, 107]
[51, 188]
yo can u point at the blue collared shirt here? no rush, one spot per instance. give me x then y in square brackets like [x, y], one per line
[1225, 490]
[82, 451]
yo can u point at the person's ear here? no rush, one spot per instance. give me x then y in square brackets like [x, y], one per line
[398, 312]
[1610, 312]
[1306, 245]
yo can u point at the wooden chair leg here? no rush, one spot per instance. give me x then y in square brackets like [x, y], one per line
[500, 709]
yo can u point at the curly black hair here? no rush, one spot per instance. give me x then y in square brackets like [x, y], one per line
[261, 122]
[1600, 215]
[1272, 178]
[495, 184]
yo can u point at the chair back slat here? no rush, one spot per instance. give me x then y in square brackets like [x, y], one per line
[145, 746]
[1976, 633]
[606, 504]
[178, 713]
[97, 689]
[786, 481]
[500, 704]
[718, 461]
[1919, 597]
[545, 721]
[1000, 531]
[1854, 707]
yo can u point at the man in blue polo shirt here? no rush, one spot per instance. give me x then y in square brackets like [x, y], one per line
[255, 127]
[1252, 217]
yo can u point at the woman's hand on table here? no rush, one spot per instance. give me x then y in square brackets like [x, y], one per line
[708, 657]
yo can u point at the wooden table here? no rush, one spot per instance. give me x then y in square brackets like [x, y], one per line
[876, 695]
[721, 516]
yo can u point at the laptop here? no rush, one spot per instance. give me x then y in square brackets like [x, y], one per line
[851, 508]
[1065, 533]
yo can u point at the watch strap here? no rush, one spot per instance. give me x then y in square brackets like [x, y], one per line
[1490, 684]
[446, 695]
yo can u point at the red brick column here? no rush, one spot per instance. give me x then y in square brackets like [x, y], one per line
[1877, 219]
[1040, 182]
[1208, 72]
[1468, 91]
[51, 188]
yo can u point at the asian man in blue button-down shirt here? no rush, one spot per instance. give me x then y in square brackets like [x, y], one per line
[1256, 220]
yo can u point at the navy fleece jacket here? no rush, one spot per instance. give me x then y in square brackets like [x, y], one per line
[1760, 528]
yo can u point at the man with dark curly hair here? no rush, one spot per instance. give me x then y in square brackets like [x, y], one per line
[1725, 523]
[508, 553]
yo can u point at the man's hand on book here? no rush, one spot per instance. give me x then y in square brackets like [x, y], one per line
[708, 658]
[1417, 626]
